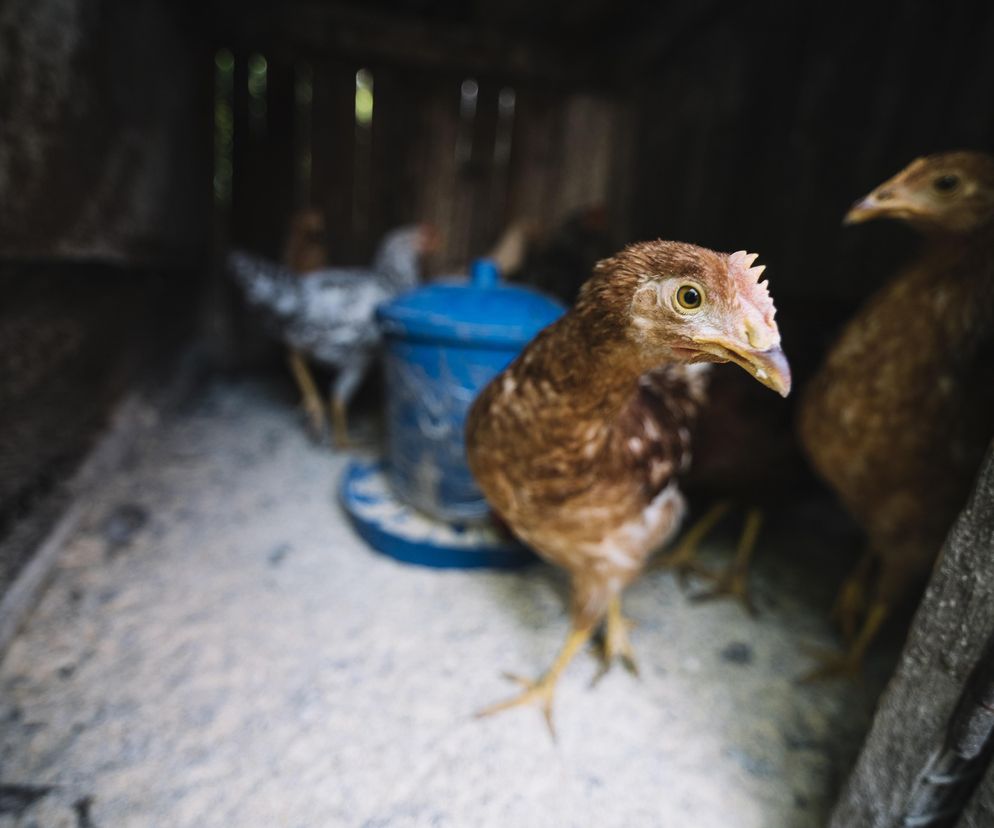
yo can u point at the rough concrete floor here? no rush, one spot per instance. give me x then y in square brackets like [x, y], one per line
[218, 649]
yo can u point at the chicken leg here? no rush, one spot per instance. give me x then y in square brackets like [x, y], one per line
[311, 399]
[616, 643]
[851, 602]
[339, 423]
[682, 559]
[733, 580]
[849, 663]
[543, 690]
[346, 383]
[890, 579]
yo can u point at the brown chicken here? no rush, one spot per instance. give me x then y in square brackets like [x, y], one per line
[578, 443]
[306, 244]
[899, 416]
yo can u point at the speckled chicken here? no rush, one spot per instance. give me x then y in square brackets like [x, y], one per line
[577, 445]
[327, 314]
[898, 418]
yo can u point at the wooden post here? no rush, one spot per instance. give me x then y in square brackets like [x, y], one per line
[333, 148]
[950, 630]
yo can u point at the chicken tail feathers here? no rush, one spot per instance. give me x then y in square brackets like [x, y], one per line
[266, 284]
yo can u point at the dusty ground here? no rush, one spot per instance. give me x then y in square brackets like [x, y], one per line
[218, 649]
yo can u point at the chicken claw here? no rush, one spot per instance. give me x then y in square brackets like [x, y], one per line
[543, 690]
[848, 664]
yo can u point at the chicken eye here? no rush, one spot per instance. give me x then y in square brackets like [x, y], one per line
[688, 297]
[945, 184]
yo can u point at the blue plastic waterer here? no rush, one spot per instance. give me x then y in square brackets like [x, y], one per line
[443, 343]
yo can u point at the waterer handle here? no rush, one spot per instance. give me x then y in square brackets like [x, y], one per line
[484, 273]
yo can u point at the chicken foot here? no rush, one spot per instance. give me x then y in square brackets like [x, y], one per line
[616, 644]
[851, 602]
[543, 690]
[733, 580]
[311, 398]
[682, 559]
[848, 664]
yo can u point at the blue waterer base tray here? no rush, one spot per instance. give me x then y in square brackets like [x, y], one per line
[402, 532]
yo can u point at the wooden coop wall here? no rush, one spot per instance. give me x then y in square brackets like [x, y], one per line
[423, 158]
[104, 230]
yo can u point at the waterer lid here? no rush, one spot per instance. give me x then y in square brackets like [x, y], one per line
[483, 311]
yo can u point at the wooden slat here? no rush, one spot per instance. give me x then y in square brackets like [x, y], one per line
[534, 154]
[242, 174]
[585, 156]
[437, 196]
[399, 125]
[479, 174]
[620, 184]
[263, 160]
[279, 151]
[460, 220]
[332, 149]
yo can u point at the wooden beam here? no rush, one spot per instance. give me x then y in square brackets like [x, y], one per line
[950, 632]
[375, 36]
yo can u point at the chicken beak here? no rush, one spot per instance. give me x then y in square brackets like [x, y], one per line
[770, 367]
[863, 210]
[887, 201]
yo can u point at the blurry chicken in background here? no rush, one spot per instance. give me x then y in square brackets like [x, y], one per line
[578, 444]
[511, 249]
[899, 416]
[327, 315]
[560, 263]
[306, 245]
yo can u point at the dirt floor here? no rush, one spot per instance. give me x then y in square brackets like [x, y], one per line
[218, 648]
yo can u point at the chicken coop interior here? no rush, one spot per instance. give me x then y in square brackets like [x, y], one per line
[246, 575]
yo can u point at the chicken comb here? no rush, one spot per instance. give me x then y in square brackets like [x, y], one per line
[746, 279]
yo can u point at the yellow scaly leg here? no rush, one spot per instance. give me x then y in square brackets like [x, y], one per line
[682, 557]
[733, 581]
[543, 690]
[311, 399]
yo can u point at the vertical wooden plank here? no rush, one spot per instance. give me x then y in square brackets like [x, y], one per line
[621, 180]
[506, 110]
[332, 154]
[241, 179]
[479, 174]
[533, 173]
[398, 126]
[279, 150]
[436, 190]
[584, 156]
[460, 222]
[249, 343]
[262, 159]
